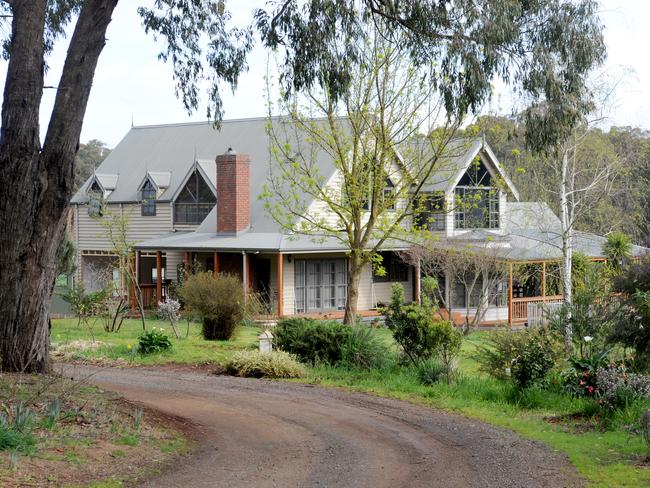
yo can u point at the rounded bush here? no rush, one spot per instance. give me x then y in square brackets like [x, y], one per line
[217, 300]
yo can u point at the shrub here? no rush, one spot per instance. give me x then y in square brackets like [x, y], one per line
[536, 357]
[154, 340]
[447, 341]
[617, 388]
[363, 348]
[313, 340]
[217, 300]
[412, 327]
[581, 380]
[527, 356]
[496, 357]
[255, 364]
[617, 249]
[632, 328]
[431, 371]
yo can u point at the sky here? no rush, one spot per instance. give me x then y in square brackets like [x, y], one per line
[132, 87]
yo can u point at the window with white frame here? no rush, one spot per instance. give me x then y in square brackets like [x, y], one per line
[476, 199]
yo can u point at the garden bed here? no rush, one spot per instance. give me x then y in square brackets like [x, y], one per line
[57, 432]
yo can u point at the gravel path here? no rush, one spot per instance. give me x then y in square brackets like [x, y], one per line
[256, 433]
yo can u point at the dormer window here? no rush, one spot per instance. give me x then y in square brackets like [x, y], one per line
[194, 202]
[433, 215]
[148, 194]
[477, 199]
[95, 200]
[388, 195]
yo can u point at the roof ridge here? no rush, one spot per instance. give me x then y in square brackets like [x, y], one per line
[225, 121]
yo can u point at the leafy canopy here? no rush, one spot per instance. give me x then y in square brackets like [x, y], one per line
[543, 47]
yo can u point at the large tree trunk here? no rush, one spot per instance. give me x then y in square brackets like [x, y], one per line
[355, 267]
[37, 183]
[567, 249]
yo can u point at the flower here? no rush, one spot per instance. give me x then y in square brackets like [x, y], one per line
[129, 347]
[588, 338]
[590, 389]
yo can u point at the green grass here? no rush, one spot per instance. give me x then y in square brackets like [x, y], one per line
[122, 345]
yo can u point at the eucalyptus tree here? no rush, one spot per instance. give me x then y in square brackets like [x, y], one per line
[545, 47]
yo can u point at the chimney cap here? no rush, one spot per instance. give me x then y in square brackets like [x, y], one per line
[231, 151]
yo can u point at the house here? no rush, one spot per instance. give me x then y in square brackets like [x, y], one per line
[190, 193]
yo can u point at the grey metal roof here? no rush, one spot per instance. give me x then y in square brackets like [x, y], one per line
[457, 157]
[174, 149]
[529, 215]
[534, 245]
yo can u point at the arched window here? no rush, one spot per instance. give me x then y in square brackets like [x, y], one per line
[95, 200]
[148, 199]
[194, 202]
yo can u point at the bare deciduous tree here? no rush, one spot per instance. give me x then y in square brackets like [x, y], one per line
[478, 271]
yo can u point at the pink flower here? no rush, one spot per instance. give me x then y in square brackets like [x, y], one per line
[590, 389]
[582, 383]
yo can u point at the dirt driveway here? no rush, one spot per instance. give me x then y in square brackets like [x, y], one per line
[256, 433]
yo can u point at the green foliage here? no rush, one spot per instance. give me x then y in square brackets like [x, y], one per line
[496, 355]
[593, 311]
[153, 341]
[314, 340]
[632, 328]
[218, 300]
[16, 432]
[580, 267]
[256, 364]
[582, 378]
[431, 371]
[413, 327]
[83, 304]
[13, 439]
[617, 249]
[66, 256]
[88, 158]
[645, 427]
[363, 348]
[53, 414]
[636, 277]
[527, 356]
[535, 358]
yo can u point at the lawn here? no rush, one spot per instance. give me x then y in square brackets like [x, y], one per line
[606, 458]
[122, 346]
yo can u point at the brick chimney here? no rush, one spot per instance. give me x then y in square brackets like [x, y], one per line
[233, 192]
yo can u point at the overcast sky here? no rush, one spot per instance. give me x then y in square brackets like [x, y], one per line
[132, 85]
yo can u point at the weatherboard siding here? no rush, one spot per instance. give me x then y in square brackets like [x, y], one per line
[172, 260]
[91, 233]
